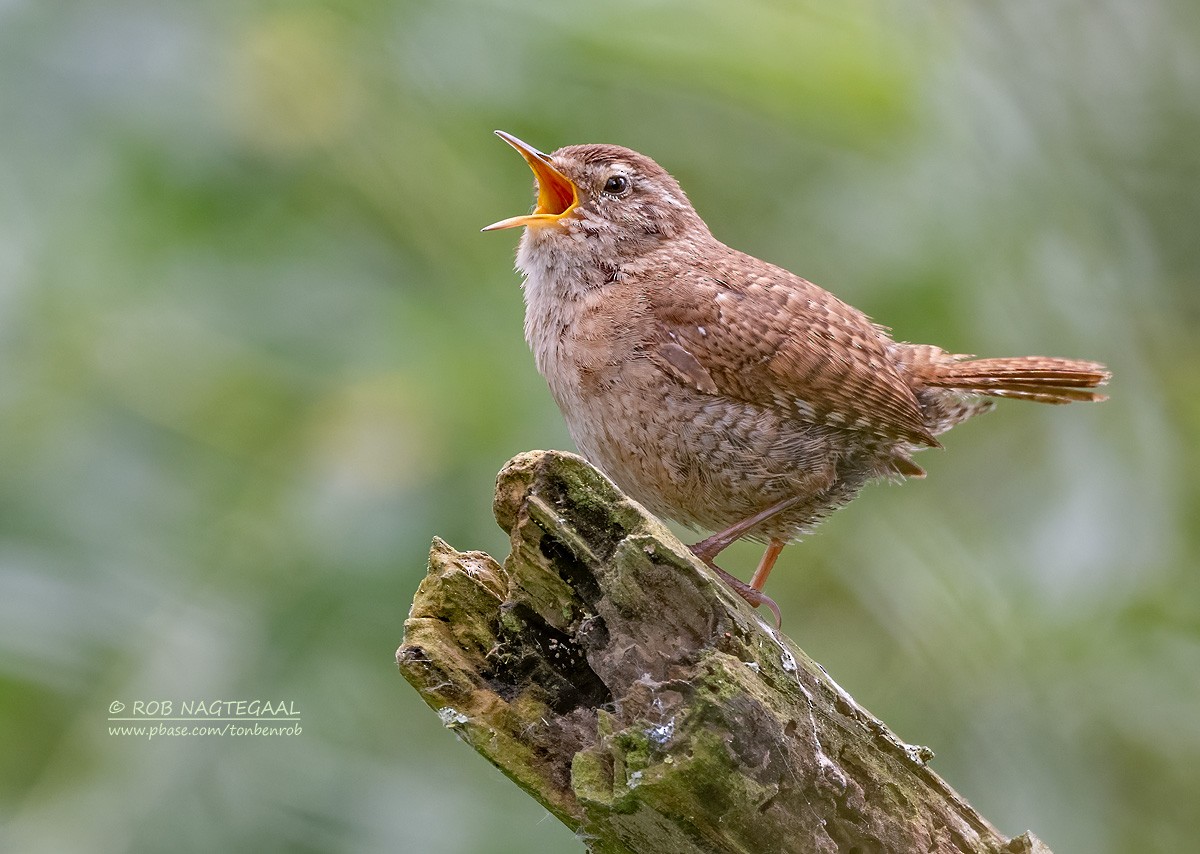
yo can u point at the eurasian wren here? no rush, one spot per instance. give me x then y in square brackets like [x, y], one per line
[717, 389]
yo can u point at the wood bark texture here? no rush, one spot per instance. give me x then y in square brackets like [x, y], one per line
[619, 682]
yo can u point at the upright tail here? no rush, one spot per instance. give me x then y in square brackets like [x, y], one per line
[1037, 378]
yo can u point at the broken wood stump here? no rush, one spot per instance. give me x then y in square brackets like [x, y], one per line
[618, 681]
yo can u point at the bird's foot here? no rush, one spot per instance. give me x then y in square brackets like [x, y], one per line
[756, 598]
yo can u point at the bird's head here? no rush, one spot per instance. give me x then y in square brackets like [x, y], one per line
[619, 201]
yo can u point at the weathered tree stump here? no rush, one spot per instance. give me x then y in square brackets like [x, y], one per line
[619, 682]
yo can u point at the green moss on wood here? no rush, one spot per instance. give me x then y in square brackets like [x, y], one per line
[618, 682]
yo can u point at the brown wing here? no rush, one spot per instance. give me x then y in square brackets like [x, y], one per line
[757, 333]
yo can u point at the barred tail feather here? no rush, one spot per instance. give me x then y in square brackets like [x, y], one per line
[1036, 378]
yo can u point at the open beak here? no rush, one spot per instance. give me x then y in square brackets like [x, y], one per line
[557, 194]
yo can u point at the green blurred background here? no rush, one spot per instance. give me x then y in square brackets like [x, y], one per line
[254, 354]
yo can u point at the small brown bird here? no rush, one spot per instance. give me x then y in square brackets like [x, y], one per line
[717, 389]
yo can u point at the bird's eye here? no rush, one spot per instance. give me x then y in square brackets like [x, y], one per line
[616, 185]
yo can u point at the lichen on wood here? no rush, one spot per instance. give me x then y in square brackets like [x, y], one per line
[619, 682]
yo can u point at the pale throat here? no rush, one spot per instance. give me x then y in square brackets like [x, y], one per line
[553, 287]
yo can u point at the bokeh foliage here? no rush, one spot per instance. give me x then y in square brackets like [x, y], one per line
[254, 354]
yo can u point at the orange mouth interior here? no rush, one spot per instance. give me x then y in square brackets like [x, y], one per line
[557, 194]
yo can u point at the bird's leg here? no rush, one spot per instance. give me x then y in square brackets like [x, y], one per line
[759, 579]
[707, 550]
